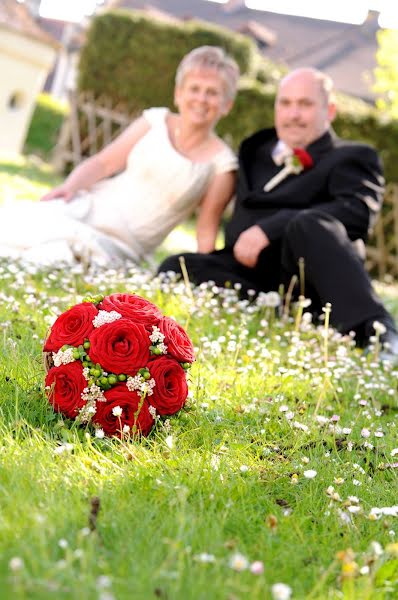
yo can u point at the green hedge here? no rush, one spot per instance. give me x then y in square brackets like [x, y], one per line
[133, 59]
[254, 109]
[45, 126]
[372, 130]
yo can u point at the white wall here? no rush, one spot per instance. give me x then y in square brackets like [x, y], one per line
[24, 65]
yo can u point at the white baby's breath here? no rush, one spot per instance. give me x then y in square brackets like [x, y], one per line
[63, 357]
[117, 411]
[105, 316]
[140, 385]
[156, 335]
[152, 411]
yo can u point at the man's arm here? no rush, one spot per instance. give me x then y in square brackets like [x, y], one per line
[355, 195]
[356, 185]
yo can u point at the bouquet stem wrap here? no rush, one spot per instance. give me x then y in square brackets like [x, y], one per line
[295, 163]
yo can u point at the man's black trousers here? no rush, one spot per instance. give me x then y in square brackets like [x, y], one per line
[333, 270]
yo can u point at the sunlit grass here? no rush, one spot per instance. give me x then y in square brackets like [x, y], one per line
[23, 178]
[272, 473]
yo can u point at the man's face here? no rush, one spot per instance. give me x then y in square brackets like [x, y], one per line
[302, 113]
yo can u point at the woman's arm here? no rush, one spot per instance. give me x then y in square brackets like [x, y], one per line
[105, 163]
[218, 195]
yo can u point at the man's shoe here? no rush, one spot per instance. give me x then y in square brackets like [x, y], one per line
[389, 346]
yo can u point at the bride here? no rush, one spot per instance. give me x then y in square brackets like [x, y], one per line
[122, 202]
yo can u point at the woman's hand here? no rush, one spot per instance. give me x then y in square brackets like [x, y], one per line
[62, 191]
[105, 163]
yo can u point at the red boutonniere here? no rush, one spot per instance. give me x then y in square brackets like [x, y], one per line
[295, 163]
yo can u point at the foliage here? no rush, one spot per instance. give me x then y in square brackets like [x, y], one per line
[230, 481]
[254, 104]
[380, 134]
[121, 60]
[386, 73]
[129, 57]
[354, 121]
[45, 126]
[272, 473]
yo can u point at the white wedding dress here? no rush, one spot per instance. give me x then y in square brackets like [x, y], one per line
[123, 217]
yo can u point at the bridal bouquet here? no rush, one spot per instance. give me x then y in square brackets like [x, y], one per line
[117, 362]
[299, 160]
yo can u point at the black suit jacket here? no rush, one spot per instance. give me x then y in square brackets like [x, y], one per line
[345, 181]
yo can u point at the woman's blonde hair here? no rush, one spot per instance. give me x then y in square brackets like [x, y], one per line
[214, 58]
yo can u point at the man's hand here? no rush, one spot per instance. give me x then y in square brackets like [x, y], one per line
[249, 245]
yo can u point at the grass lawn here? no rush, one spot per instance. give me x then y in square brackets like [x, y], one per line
[278, 479]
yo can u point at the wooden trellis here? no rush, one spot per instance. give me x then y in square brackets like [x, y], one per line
[93, 123]
[382, 249]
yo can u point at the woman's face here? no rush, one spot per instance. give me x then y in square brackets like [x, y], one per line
[201, 97]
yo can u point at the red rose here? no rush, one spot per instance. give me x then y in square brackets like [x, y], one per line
[177, 341]
[66, 384]
[72, 327]
[171, 389]
[134, 307]
[130, 403]
[304, 157]
[120, 347]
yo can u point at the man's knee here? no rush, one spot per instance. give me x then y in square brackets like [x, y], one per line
[171, 263]
[312, 220]
[193, 263]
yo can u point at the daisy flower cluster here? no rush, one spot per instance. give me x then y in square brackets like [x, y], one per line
[286, 417]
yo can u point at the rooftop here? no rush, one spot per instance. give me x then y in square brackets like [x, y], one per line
[345, 52]
[14, 16]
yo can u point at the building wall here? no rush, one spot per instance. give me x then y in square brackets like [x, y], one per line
[24, 64]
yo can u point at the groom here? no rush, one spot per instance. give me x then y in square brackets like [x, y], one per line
[304, 196]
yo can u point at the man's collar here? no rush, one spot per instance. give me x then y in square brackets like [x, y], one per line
[281, 150]
[322, 143]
